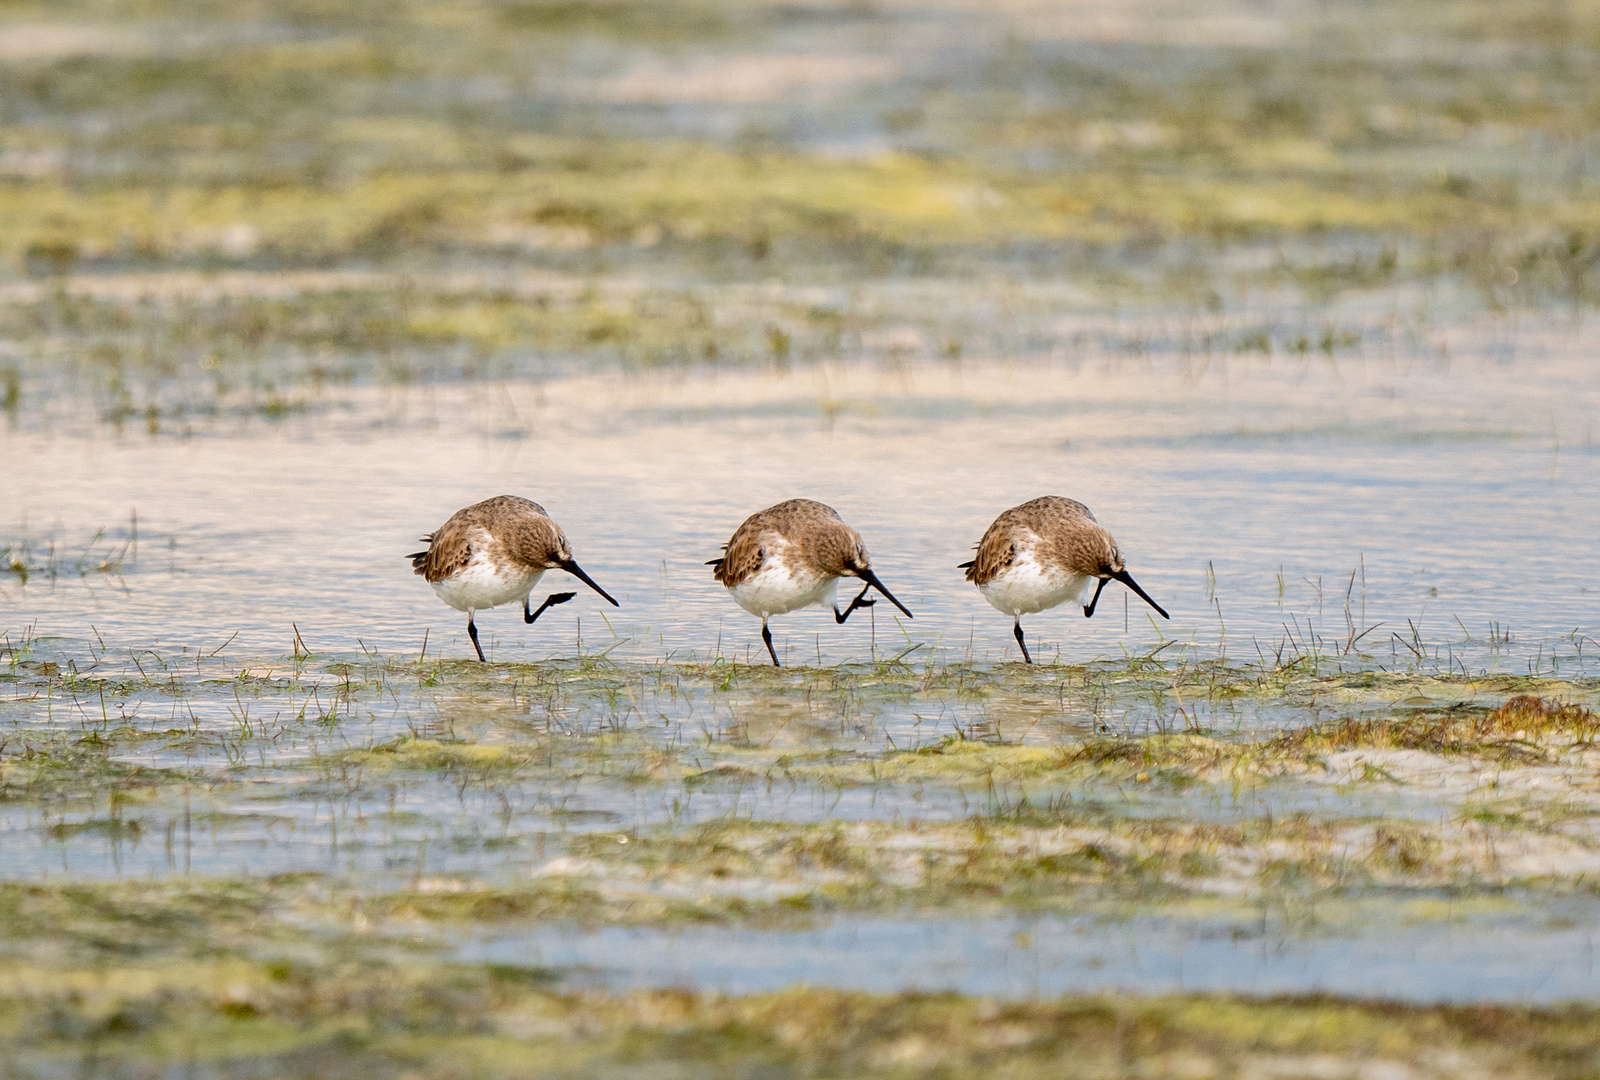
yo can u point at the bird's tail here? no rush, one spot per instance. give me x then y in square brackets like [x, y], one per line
[716, 564]
[420, 558]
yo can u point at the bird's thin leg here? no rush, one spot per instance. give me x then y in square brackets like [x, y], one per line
[859, 601]
[1023, 645]
[472, 632]
[1088, 609]
[766, 635]
[550, 601]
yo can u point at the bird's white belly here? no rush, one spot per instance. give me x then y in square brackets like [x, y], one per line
[483, 584]
[1025, 586]
[773, 590]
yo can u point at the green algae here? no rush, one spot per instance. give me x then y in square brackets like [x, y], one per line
[1066, 818]
[217, 1015]
[258, 215]
[1071, 821]
[588, 717]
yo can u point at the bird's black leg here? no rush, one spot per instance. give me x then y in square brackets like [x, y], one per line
[550, 601]
[859, 601]
[472, 632]
[1023, 645]
[766, 635]
[1088, 609]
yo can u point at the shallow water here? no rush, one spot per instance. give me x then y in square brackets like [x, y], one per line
[1462, 493]
[391, 832]
[1502, 959]
[1436, 512]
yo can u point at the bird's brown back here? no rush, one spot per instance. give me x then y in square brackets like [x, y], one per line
[1072, 540]
[816, 536]
[519, 532]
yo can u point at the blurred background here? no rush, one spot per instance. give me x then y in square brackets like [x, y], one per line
[1192, 155]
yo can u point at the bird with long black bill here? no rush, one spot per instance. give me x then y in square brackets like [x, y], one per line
[791, 555]
[1044, 553]
[494, 552]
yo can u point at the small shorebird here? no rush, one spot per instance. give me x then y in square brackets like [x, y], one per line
[1043, 553]
[791, 555]
[493, 553]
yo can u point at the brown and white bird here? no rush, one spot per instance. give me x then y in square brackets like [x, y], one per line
[792, 555]
[494, 552]
[1043, 553]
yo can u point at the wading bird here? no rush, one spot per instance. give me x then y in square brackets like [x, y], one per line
[494, 553]
[1043, 553]
[791, 555]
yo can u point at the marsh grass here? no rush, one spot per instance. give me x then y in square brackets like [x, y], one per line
[26, 558]
[181, 354]
[524, 786]
[524, 764]
[1524, 729]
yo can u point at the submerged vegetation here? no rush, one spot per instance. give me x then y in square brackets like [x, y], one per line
[431, 804]
[394, 810]
[225, 1011]
[642, 793]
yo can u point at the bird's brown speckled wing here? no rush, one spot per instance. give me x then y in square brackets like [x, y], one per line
[742, 555]
[449, 548]
[514, 528]
[810, 525]
[1049, 515]
[995, 552]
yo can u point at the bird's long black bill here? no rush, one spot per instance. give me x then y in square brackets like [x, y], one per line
[1088, 609]
[571, 567]
[872, 579]
[1127, 579]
